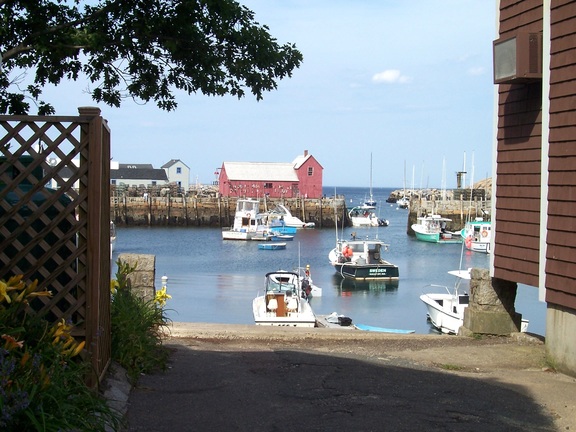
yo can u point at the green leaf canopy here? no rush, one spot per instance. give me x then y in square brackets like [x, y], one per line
[139, 49]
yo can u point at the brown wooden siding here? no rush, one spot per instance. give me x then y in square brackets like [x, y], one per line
[561, 229]
[516, 240]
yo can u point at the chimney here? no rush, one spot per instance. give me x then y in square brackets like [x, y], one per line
[305, 153]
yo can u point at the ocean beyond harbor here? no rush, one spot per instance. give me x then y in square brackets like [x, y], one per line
[214, 281]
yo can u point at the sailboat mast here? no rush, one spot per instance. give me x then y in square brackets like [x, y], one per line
[404, 177]
[371, 199]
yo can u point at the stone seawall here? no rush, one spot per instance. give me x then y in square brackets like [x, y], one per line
[219, 212]
[216, 212]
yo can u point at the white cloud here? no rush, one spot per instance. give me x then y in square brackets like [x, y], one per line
[476, 70]
[390, 76]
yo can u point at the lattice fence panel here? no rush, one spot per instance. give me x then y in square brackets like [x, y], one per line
[45, 213]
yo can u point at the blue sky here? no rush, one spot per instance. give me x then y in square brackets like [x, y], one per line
[409, 82]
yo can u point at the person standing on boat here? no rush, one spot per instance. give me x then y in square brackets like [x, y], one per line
[347, 252]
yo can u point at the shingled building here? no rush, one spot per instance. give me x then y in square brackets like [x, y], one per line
[300, 178]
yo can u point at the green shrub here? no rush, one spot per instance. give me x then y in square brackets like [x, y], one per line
[138, 326]
[42, 372]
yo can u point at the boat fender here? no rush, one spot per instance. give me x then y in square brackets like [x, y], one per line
[468, 242]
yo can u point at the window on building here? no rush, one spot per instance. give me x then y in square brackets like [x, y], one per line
[310, 171]
[267, 185]
[153, 183]
[113, 182]
[178, 170]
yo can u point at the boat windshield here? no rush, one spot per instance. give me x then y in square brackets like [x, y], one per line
[281, 287]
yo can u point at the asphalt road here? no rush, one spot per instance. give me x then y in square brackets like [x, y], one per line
[249, 378]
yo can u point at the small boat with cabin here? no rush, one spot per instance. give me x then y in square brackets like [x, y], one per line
[246, 221]
[477, 235]
[362, 259]
[446, 308]
[283, 303]
[403, 202]
[432, 229]
[365, 216]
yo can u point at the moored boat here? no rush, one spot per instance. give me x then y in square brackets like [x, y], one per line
[276, 236]
[365, 216]
[246, 221]
[280, 216]
[370, 201]
[403, 203]
[281, 228]
[445, 309]
[282, 303]
[272, 246]
[477, 235]
[362, 259]
[432, 229]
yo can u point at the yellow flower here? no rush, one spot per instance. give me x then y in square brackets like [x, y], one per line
[114, 285]
[4, 292]
[162, 296]
[74, 351]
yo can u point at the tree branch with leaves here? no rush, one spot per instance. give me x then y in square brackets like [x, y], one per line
[145, 50]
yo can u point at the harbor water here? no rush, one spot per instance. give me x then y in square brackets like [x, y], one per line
[212, 280]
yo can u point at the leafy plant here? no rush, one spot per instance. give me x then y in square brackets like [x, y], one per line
[138, 326]
[41, 370]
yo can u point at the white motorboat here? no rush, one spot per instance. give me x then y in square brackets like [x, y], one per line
[477, 235]
[282, 303]
[365, 216]
[403, 202]
[446, 309]
[280, 216]
[246, 221]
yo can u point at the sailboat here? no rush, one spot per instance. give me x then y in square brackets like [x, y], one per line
[370, 202]
[403, 202]
[365, 215]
